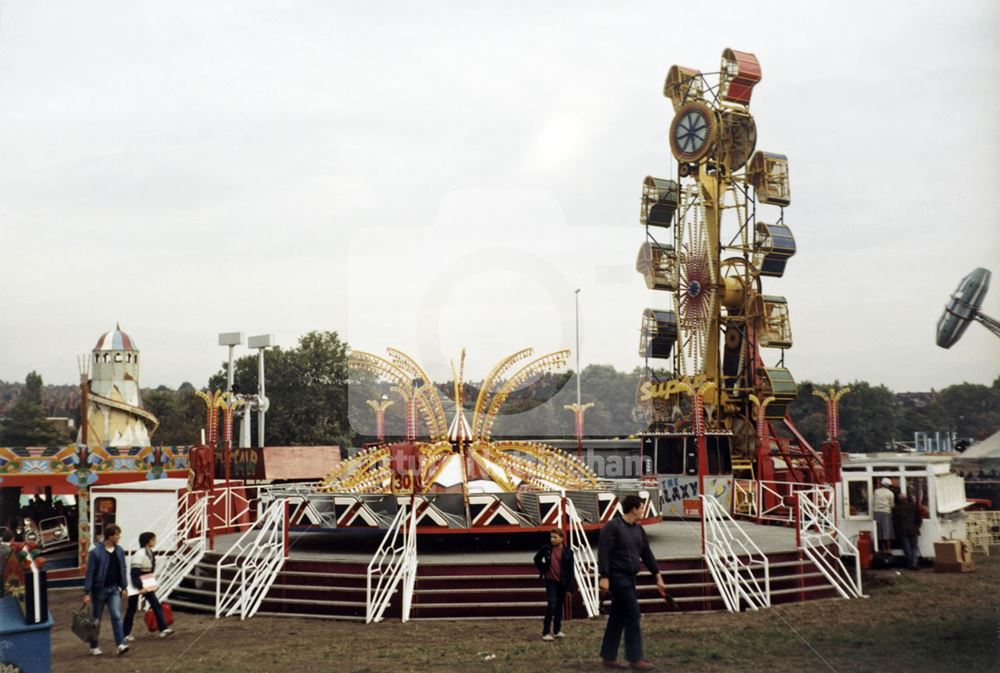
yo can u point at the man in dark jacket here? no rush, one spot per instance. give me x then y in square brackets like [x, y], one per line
[622, 545]
[906, 521]
[106, 582]
[555, 565]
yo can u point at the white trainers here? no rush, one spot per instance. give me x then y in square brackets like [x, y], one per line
[96, 651]
[560, 635]
[122, 649]
[130, 638]
[165, 633]
[548, 637]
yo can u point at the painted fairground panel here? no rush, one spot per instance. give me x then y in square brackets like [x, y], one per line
[675, 463]
[44, 492]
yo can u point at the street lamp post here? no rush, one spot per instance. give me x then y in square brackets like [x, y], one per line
[576, 294]
[579, 408]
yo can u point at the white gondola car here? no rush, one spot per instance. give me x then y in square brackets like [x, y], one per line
[928, 479]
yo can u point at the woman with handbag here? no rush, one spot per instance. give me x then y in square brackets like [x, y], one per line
[142, 567]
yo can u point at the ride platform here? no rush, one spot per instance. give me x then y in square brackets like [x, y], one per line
[491, 576]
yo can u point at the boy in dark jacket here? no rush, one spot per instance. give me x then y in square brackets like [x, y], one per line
[555, 564]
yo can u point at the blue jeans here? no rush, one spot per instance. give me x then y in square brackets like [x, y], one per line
[555, 594]
[109, 596]
[910, 549]
[624, 617]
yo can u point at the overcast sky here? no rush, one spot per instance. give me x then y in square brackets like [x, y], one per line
[445, 176]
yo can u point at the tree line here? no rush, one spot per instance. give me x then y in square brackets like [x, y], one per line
[314, 400]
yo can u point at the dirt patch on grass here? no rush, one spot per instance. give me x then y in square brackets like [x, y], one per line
[913, 622]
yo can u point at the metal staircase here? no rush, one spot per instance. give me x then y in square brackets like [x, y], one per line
[254, 562]
[818, 536]
[740, 569]
[395, 562]
[584, 562]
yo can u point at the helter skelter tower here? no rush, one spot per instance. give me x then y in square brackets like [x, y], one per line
[712, 238]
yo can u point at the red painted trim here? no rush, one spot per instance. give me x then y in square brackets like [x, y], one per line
[487, 513]
[287, 547]
[350, 514]
[798, 527]
[101, 492]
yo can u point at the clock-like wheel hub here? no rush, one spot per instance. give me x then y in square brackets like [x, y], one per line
[693, 132]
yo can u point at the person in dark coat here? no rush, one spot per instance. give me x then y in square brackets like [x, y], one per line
[622, 545]
[105, 584]
[906, 521]
[555, 565]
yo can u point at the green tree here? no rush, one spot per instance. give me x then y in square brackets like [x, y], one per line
[913, 418]
[307, 389]
[868, 417]
[971, 410]
[613, 395]
[181, 414]
[808, 412]
[612, 392]
[26, 424]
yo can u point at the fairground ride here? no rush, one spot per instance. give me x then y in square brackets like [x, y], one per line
[714, 236]
[460, 477]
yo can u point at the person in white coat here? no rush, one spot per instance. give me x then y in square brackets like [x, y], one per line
[884, 501]
[143, 563]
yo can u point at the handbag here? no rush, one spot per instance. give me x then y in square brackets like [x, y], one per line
[85, 625]
[150, 617]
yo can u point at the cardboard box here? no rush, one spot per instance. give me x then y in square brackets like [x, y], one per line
[966, 567]
[952, 551]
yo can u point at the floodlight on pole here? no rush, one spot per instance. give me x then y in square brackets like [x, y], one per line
[232, 340]
[261, 342]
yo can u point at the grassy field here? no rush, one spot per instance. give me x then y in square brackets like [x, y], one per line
[912, 622]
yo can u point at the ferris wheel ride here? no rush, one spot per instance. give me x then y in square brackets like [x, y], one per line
[713, 237]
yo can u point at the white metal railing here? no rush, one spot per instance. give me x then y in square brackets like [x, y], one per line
[817, 531]
[768, 500]
[584, 562]
[231, 506]
[395, 561]
[255, 560]
[745, 497]
[236, 508]
[734, 560]
[182, 544]
[187, 542]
